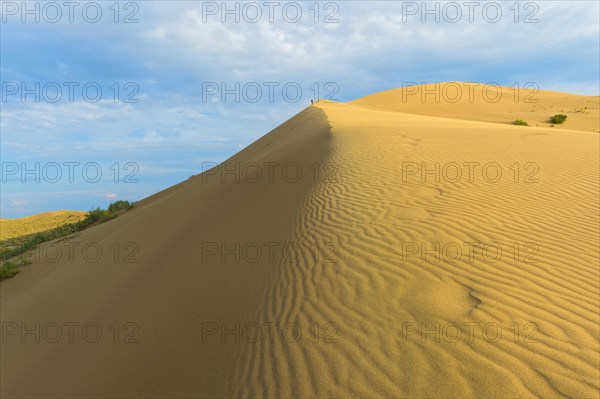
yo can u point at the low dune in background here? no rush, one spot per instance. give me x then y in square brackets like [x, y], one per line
[18, 227]
[367, 306]
[489, 103]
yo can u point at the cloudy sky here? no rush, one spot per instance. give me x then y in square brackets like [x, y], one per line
[104, 100]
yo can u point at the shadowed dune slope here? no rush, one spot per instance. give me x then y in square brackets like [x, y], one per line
[170, 292]
[476, 278]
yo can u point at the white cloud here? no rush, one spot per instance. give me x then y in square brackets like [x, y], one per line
[172, 51]
[369, 35]
[152, 137]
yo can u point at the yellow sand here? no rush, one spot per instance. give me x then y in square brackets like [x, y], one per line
[375, 299]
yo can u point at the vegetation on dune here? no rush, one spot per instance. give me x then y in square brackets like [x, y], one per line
[558, 119]
[520, 122]
[14, 247]
[8, 270]
[119, 206]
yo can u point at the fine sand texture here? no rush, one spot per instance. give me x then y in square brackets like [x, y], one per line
[426, 249]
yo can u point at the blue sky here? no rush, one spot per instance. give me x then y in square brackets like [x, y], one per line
[159, 66]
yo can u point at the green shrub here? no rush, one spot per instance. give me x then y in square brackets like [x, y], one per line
[558, 119]
[8, 270]
[119, 206]
[520, 122]
[96, 215]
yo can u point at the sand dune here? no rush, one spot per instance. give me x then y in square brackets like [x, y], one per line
[383, 281]
[19, 227]
[489, 103]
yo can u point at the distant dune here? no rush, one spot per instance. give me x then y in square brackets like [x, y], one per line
[489, 103]
[17, 227]
[386, 247]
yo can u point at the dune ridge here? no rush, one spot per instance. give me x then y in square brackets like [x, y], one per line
[361, 296]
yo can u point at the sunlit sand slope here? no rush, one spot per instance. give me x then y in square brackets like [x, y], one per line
[490, 103]
[413, 311]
